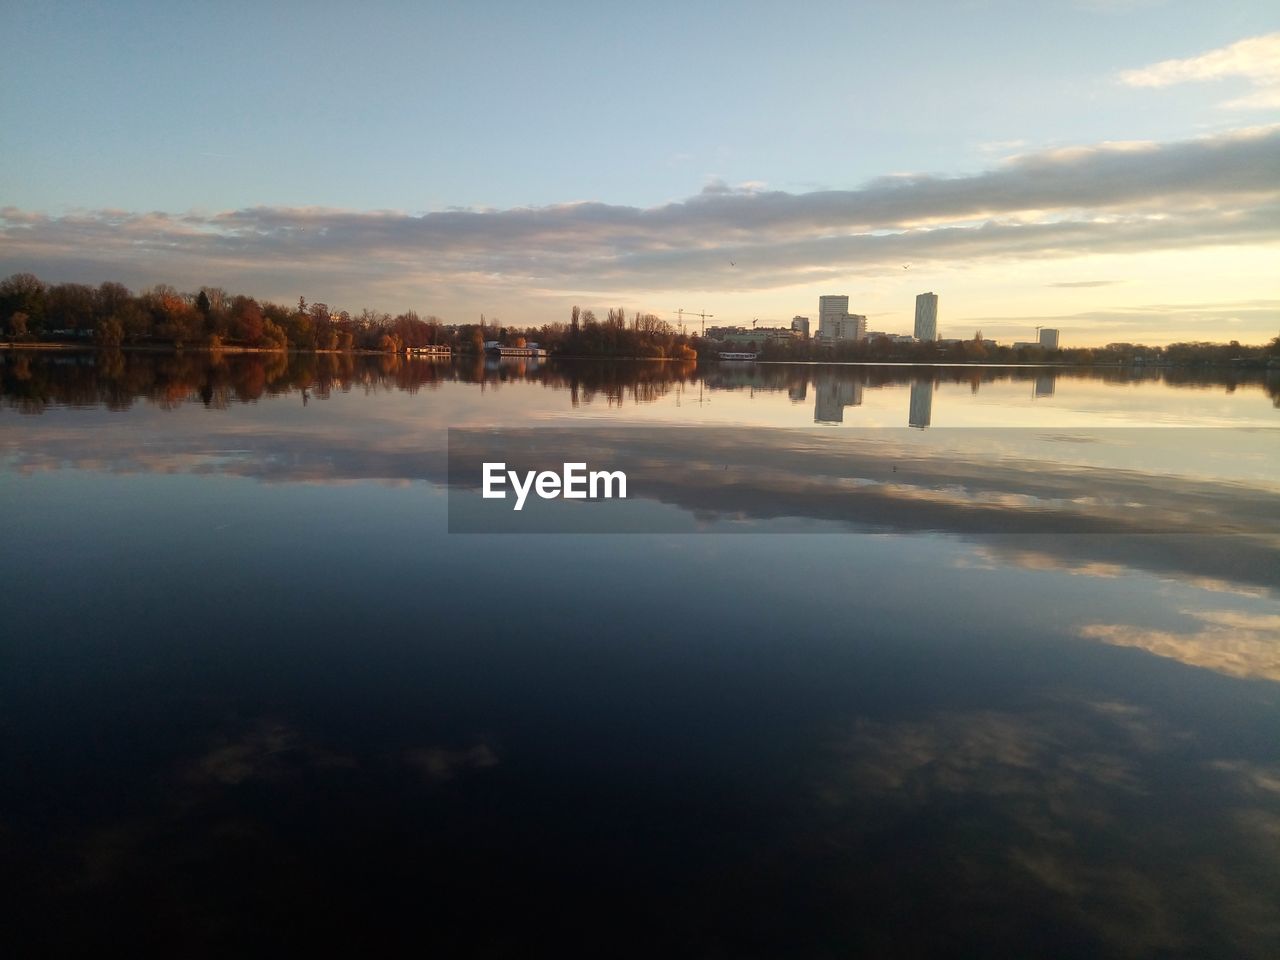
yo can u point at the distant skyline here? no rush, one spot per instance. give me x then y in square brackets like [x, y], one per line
[1107, 167]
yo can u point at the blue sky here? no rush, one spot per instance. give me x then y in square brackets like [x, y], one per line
[206, 109]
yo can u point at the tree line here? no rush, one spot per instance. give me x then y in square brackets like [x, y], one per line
[978, 350]
[112, 316]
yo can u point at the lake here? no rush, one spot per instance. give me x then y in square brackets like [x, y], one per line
[872, 661]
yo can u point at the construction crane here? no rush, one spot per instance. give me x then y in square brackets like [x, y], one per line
[704, 316]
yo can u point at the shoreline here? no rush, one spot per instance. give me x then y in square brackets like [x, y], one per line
[59, 347]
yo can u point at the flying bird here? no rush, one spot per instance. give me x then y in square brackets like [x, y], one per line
[732, 264]
[906, 266]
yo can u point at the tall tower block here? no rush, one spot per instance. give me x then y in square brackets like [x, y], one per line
[927, 316]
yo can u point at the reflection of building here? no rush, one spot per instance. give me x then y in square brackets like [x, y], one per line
[1049, 338]
[921, 404]
[798, 391]
[1045, 383]
[927, 316]
[835, 322]
[801, 326]
[832, 396]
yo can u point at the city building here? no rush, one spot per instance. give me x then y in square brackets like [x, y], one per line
[927, 317]
[835, 322]
[1049, 338]
[742, 336]
[801, 326]
[852, 326]
[891, 337]
[831, 310]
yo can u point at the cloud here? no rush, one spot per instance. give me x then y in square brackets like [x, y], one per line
[1189, 320]
[1256, 59]
[1111, 197]
[1086, 283]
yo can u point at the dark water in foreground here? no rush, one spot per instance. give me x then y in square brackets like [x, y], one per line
[255, 697]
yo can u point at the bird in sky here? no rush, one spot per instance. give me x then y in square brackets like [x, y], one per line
[906, 266]
[732, 264]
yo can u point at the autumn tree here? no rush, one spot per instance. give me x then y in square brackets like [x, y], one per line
[23, 293]
[69, 306]
[247, 320]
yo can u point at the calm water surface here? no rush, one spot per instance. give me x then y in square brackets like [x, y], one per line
[254, 695]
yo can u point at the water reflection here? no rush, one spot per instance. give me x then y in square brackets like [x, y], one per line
[255, 693]
[32, 382]
[921, 404]
[833, 395]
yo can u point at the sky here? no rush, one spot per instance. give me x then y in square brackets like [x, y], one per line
[1109, 167]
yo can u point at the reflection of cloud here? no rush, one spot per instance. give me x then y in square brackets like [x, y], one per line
[990, 557]
[269, 750]
[994, 489]
[440, 764]
[1054, 810]
[987, 752]
[1256, 59]
[1255, 776]
[1228, 641]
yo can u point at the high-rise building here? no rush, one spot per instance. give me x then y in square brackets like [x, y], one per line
[852, 326]
[835, 322]
[927, 316]
[831, 310]
[1049, 338]
[801, 326]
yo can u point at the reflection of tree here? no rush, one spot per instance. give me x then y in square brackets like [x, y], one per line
[116, 379]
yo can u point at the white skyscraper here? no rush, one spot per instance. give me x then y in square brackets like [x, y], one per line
[927, 316]
[1049, 338]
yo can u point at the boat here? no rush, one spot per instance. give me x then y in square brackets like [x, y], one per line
[741, 355]
[496, 349]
